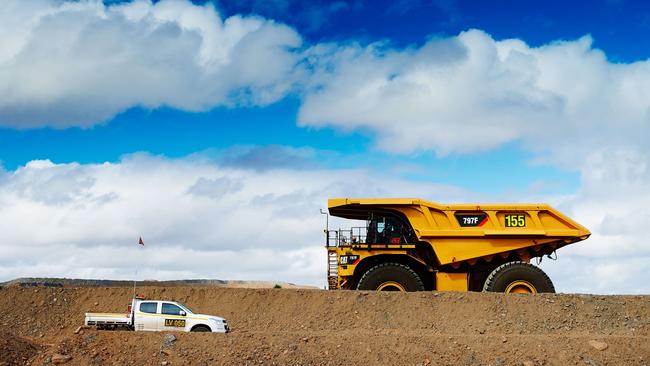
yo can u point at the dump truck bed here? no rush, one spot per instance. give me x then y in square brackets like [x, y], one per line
[467, 232]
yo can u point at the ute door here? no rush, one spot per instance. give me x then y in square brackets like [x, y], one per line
[172, 317]
[147, 317]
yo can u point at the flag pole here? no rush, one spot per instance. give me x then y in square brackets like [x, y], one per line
[135, 278]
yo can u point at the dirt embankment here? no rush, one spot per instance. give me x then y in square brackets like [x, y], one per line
[77, 282]
[313, 327]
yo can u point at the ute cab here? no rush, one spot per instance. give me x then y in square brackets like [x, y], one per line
[155, 315]
[158, 315]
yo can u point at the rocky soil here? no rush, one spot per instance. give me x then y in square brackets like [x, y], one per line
[40, 326]
[76, 282]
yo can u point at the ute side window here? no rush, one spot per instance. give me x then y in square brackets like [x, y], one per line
[148, 307]
[170, 309]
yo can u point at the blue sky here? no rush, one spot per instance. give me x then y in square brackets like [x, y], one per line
[449, 100]
[173, 133]
[617, 27]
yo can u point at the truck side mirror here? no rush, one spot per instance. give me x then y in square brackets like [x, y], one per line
[182, 313]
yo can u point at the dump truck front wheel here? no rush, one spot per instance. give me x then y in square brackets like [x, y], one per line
[518, 277]
[391, 277]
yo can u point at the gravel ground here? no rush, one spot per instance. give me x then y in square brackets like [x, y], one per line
[40, 325]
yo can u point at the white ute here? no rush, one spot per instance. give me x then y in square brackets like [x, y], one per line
[158, 315]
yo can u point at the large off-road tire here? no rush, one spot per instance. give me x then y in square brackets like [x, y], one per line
[200, 328]
[390, 277]
[518, 277]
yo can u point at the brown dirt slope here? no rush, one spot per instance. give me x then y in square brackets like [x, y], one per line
[76, 282]
[313, 327]
[16, 350]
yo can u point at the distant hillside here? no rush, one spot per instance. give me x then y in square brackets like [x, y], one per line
[76, 282]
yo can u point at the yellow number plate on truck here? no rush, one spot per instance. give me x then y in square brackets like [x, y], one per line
[515, 220]
[175, 322]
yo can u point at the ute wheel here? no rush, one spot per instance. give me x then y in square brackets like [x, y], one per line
[390, 277]
[518, 278]
[200, 328]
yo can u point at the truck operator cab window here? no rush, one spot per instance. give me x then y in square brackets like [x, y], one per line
[385, 230]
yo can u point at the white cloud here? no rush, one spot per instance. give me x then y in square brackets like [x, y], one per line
[203, 219]
[563, 101]
[81, 63]
[613, 203]
[471, 93]
[198, 218]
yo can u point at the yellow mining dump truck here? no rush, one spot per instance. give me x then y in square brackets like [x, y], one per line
[416, 245]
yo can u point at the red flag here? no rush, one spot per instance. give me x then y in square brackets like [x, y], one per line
[141, 242]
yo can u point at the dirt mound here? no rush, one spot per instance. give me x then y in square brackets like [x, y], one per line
[313, 327]
[15, 350]
[75, 282]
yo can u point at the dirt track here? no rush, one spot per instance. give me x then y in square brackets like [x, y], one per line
[313, 327]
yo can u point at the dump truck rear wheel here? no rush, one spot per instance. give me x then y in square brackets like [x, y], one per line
[390, 277]
[518, 277]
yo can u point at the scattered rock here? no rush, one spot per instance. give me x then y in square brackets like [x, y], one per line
[88, 339]
[169, 339]
[59, 359]
[600, 346]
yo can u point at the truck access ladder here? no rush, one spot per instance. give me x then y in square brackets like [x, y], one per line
[332, 269]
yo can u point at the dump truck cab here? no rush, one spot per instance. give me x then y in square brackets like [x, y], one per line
[413, 245]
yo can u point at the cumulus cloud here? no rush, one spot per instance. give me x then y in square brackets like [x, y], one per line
[204, 219]
[80, 63]
[612, 202]
[471, 93]
[563, 101]
[198, 218]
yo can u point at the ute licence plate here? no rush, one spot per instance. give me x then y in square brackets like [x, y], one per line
[175, 323]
